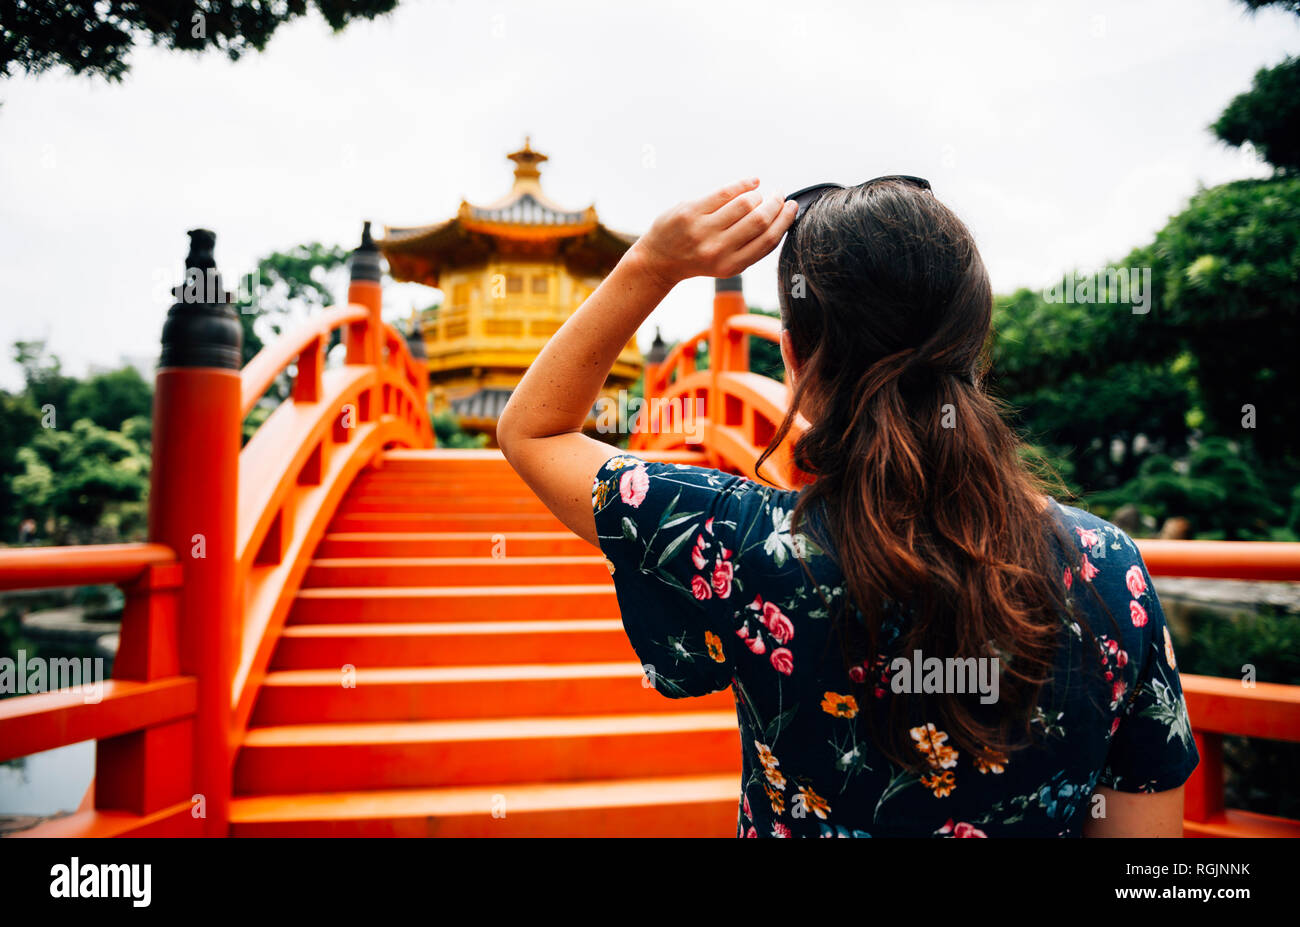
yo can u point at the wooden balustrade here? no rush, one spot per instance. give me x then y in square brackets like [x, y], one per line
[142, 718]
[239, 525]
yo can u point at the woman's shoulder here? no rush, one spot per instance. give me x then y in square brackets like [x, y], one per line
[637, 478]
[750, 522]
[1093, 534]
[1104, 556]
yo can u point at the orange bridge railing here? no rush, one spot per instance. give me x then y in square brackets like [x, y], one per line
[231, 533]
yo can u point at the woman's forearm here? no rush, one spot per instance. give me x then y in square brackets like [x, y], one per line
[556, 394]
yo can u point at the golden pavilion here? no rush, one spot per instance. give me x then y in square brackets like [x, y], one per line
[510, 271]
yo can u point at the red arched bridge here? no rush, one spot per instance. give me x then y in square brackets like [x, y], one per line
[339, 629]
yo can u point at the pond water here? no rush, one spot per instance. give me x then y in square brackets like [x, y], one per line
[49, 782]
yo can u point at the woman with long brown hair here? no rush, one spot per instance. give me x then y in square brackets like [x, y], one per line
[921, 640]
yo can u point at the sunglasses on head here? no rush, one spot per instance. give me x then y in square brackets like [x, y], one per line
[809, 195]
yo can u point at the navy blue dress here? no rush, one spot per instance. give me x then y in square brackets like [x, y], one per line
[713, 595]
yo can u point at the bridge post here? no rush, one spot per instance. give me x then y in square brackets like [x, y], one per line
[193, 500]
[728, 300]
[365, 339]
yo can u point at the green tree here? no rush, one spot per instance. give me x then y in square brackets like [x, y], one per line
[1096, 388]
[96, 39]
[19, 422]
[1226, 274]
[46, 384]
[292, 281]
[447, 430]
[1267, 116]
[1218, 487]
[89, 484]
[109, 399]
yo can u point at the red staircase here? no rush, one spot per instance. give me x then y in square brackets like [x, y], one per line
[455, 665]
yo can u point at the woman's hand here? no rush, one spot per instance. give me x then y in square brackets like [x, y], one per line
[717, 236]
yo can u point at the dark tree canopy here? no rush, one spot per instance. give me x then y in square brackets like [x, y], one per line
[96, 38]
[1291, 6]
[1268, 116]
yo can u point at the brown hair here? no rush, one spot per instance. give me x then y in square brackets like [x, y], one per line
[919, 484]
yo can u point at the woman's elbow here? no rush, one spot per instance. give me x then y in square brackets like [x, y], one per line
[507, 429]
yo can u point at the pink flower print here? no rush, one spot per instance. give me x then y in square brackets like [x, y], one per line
[1088, 537]
[722, 574]
[1135, 581]
[1114, 726]
[857, 674]
[700, 588]
[633, 486]
[697, 553]
[1137, 613]
[1069, 578]
[961, 829]
[752, 833]
[777, 623]
[782, 661]
[1117, 691]
[748, 813]
[755, 643]
[1087, 570]
[708, 526]
[780, 830]
[1121, 658]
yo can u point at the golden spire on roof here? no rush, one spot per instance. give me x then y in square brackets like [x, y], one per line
[526, 164]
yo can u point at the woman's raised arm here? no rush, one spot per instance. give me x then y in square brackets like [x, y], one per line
[540, 429]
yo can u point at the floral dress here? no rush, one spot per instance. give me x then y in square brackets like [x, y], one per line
[713, 595]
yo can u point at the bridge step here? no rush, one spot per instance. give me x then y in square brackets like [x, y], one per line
[589, 569]
[453, 544]
[425, 693]
[495, 523]
[662, 807]
[452, 647]
[451, 603]
[443, 460]
[451, 643]
[345, 757]
[441, 503]
[439, 459]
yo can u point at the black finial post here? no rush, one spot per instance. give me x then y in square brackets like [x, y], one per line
[415, 343]
[202, 329]
[365, 259]
[658, 349]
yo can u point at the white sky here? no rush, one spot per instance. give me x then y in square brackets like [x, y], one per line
[1064, 134]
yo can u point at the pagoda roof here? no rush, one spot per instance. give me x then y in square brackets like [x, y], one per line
[523, 223]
